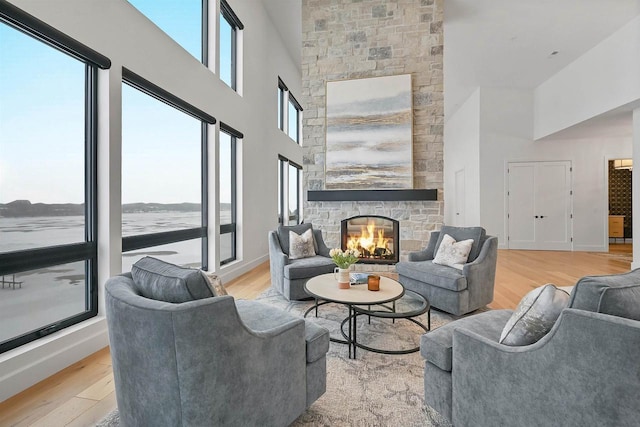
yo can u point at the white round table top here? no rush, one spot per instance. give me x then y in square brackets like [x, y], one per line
[325, 287]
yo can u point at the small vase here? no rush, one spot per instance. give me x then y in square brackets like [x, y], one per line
[343, 277]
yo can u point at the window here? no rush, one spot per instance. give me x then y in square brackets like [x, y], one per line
[48, 232]
[229, 26]
[184, 21]
[294, 119]
[282, 91]
[227, 176]
[164, 176]
[289, 112]
[289, 176]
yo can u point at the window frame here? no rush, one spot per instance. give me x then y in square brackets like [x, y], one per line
[141, 241]
[47, 256]
[296, 105]
[282, 90]
[231, 228]
[236, 25]
[283, 188]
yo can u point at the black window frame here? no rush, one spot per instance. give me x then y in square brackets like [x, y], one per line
[87, 251]
[283, 187]
[298, 108]
[282, 90]
[141, 241]
[236, 25]
[232, 227]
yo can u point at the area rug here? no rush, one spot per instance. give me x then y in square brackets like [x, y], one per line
[373, 389]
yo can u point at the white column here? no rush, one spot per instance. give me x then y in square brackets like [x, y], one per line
[109, 177]
[635, 192]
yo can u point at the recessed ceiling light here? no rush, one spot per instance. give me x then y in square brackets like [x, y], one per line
[555, 52]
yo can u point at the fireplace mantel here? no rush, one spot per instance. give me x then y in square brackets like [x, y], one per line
[371, 195]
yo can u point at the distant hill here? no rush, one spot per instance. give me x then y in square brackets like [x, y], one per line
[24, 208]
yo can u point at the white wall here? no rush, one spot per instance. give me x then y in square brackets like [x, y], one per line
[462, 151]
[117, 30]
[604, 78]
[506, 135]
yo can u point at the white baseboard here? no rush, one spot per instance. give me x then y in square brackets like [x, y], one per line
[233, 270]
[31, 363]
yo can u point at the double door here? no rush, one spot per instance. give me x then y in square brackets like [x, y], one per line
[539, 205]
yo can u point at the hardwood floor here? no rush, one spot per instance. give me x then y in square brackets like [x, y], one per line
[83, 393]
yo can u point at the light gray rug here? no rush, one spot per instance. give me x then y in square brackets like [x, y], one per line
[372, 390]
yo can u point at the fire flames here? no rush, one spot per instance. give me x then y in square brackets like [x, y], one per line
[370, 242]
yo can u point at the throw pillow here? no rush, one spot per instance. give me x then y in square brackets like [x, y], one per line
[622, 302]
[215, 284]
[535, 316]
[478, 235]
[283, 235]
[301, 245]
[162, 281]
[452, 253]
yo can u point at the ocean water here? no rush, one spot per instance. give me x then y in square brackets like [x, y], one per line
[48, 295]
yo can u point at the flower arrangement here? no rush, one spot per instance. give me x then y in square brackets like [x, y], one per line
[344, 259]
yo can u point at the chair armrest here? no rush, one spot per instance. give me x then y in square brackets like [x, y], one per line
[487, 258]
[582, 371]
[427, 253]
[322, 247]
[275, 251]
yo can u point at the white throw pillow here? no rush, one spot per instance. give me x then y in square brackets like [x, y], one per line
[301, 245]
[452, 253]
[535, 315]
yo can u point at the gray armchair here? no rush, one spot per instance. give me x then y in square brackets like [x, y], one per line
[449, 289]
[585, 371]
[288, 276]
[210, 361]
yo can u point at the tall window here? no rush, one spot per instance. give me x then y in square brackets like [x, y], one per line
[282, 93]
[229, 25]
[164, 176]
[289, 178]
[228, 192]
[185, 21]
[48, 247]
[289, 112]
[294, 119]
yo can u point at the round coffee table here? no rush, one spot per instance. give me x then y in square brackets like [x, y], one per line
[325, 288]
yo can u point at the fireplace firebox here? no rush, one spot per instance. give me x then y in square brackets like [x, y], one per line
[376, 237]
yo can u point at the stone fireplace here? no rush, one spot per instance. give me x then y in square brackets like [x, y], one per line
[377, 238]
[343, 40]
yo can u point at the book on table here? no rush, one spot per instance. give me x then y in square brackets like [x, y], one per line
[359, 278]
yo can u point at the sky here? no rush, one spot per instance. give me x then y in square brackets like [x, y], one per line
[42, 122]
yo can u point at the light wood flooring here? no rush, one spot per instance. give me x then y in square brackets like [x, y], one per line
[83, 393]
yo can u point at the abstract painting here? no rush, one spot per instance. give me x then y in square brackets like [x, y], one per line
[369, 134]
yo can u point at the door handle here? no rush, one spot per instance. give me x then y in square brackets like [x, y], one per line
[536, 216]
[541, 216]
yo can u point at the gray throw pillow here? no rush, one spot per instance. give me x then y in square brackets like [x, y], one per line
[463, 233]
[535, 316]
[623, 302]
[163, 281]
[215, 284]
[301, 245]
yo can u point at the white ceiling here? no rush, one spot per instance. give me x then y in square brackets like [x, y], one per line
[500, 43]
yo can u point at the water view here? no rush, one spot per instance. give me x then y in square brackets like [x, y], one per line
[32, 299]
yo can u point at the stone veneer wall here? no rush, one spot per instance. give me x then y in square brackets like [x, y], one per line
[351, 39]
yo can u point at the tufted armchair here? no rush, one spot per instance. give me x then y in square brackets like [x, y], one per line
[288, 276]
[449, 289]
[209, 360]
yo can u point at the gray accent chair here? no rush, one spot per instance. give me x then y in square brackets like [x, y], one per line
[585, 371]
[448, 289]
[288, 276]
[210, 361]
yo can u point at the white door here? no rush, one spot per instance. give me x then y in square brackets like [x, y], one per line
[459, 219]
[539, 215]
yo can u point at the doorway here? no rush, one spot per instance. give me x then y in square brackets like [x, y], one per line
[539, 214]
[620, 218]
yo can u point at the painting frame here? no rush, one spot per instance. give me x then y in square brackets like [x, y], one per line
[369, 133]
